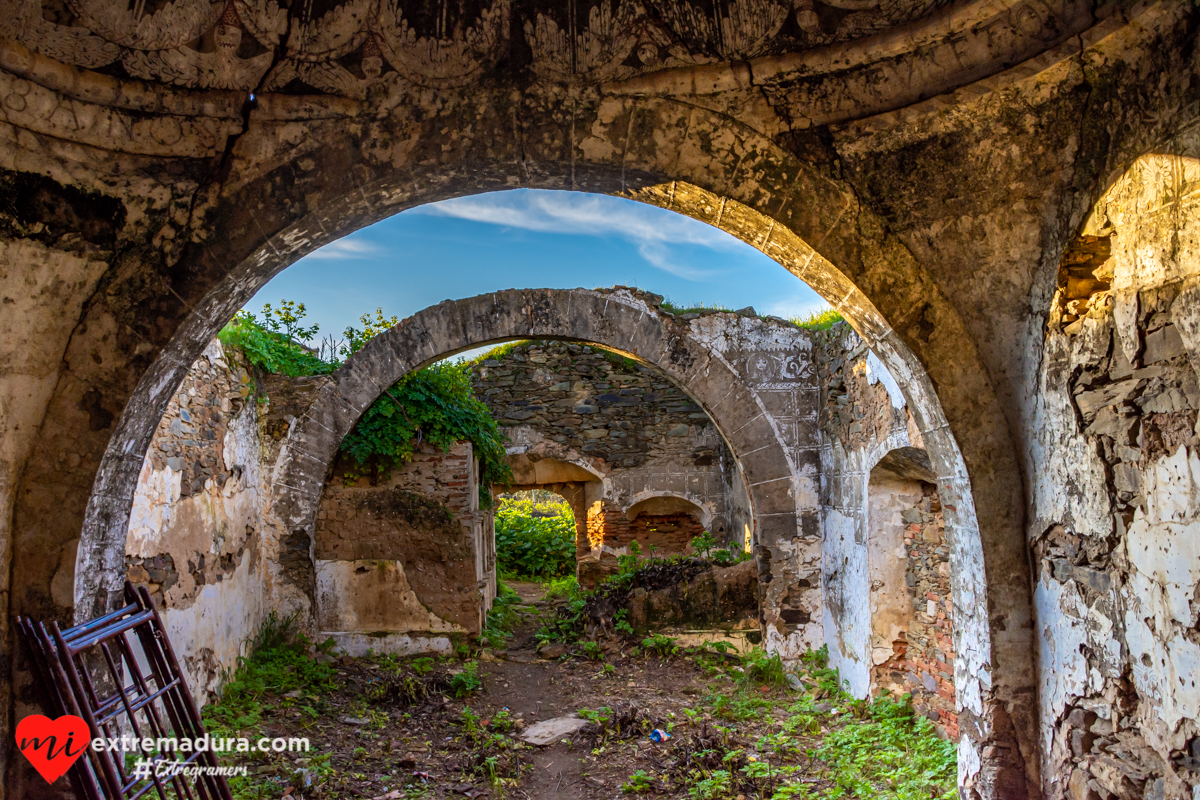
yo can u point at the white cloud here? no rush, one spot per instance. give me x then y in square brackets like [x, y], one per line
[343, 249]
[652, 230]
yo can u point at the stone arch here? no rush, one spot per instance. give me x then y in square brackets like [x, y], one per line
[572, 477]
[620, 320]
[658, 503]
[703, 164]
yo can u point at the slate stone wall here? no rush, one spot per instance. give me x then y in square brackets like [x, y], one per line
[639, 434]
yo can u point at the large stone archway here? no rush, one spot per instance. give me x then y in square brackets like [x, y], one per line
[716, 361]
[780, 471]
[941, 158]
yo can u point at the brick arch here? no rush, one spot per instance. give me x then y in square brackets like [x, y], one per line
[702, 515]
[691, 160]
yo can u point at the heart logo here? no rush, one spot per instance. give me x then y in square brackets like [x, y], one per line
[52, 745]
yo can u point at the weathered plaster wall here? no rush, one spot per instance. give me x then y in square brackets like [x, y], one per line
[860, 422]
[1115, 521]
[201, 523]
[775, 360]
[402, 561]
[886, 561]
[913, 629]
[194, 533]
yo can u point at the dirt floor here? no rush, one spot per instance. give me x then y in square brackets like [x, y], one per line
[391, 729]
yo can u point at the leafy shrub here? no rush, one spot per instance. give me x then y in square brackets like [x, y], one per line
[466, 682]
[434, 405]
[535, 540]
[274, 345]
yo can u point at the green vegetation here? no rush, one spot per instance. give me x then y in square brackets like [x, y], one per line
[632, 570]
[467, 682]
[434, 405]
[498, 627]
[694, 308]
[660, 645]
[278, 663]
[890, 753]
[776, 743]
[638, 782]
[562, 588]
[279, 673]
[274, 344]
[819, 320]
[534, 540]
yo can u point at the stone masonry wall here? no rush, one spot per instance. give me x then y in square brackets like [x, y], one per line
[639, 435]
[194, 530]
[408, 559]
[201, 529]
[1115, 519]
[922, 660]
[897, 637]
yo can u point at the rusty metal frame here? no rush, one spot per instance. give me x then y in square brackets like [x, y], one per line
[94, 671]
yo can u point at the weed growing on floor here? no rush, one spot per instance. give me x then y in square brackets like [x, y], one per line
[278, 663]
[561, 589]
[892, 753]
[501, 619]
[638, 782]
[467, 681]
[762, 668]
[661, 645]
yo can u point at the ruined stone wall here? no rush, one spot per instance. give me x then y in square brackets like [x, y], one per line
[194, 530]
[919, 658]
[1115, 523]
[638, 434]
[405, 560]
[658, 534]
[885, 558]
[204, 540]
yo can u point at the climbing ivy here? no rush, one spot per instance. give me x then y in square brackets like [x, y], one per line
[435, 404]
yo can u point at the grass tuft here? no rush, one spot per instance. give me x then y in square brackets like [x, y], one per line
[818, 320]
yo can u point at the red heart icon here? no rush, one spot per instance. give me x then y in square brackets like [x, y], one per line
[52, 745]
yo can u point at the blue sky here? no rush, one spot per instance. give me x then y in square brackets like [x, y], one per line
[531, 239]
